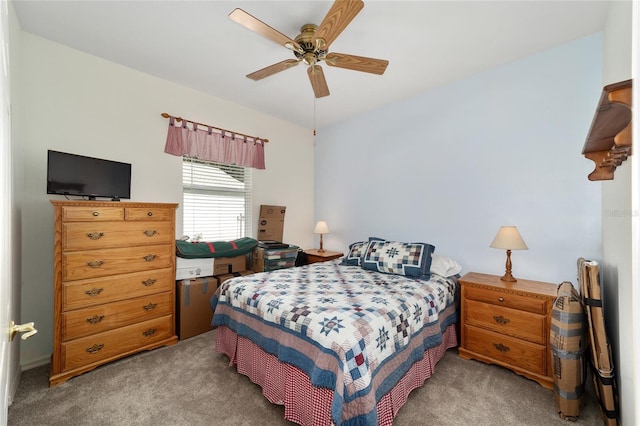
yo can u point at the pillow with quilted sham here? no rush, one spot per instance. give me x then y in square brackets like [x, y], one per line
[394, 257]
[355, 253]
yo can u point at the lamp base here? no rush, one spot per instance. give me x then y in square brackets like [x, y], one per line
[321, 249]
[508, 278]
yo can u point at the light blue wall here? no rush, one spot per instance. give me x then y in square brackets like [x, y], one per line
[451, 165]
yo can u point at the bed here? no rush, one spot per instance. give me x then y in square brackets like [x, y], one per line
[340, 342]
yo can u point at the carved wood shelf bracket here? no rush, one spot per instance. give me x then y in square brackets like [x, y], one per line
[609, 140]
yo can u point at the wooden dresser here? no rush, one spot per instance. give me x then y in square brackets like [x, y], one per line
[114, 282]
[508, 324]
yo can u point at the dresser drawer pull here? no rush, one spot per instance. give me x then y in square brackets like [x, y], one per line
[95, 214]
[150, 306]
[95, 348]
[150, 232]
[149, 332]
[95, 263]
[95, 319]
[94, 291]
[149, 282]
[95, 235]
[149, 214]
[500, 299]
[501, 347]
[501, 320]
[150, 257]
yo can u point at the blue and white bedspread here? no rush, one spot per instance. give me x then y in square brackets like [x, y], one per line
[349, 329]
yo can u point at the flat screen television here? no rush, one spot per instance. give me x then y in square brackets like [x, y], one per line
[77, 175]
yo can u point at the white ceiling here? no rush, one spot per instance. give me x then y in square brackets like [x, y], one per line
[195, 44]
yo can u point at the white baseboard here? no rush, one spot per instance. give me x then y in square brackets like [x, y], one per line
[39, 362]
[14, 381]
[15, 375]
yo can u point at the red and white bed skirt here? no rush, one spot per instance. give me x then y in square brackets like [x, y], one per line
[306, 404]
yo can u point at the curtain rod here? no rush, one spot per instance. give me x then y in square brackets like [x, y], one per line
[178, 119]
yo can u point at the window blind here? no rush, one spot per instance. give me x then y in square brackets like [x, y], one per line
[216, 200]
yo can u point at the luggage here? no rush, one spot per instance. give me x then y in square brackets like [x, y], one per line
[568, 345]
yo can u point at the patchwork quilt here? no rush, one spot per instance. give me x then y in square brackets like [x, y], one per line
[352, 330]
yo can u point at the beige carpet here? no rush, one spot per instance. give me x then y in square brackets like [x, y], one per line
[190, 384]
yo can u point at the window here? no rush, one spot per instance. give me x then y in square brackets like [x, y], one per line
[216, 200]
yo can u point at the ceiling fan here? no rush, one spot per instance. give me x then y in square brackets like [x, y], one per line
[312, 44]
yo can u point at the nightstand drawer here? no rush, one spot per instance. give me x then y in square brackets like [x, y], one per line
[509, 300]
[520, 324]
[511, 351]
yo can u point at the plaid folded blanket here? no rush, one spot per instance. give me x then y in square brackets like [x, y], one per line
[205, 249]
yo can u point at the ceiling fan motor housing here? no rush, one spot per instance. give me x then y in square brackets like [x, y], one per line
[306, 39]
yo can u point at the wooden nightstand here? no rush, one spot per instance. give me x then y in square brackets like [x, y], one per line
[508, 324]
[313, 255]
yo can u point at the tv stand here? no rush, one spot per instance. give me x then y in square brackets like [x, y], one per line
[115, 199]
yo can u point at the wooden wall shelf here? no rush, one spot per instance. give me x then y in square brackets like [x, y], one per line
[609, 141]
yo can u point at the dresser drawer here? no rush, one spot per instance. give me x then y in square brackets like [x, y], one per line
[100, 263]
[92, 214]
[509, 300]
[511, 351]
[88, 321]
[84, 293]
[99, 347]
[148, 213]
[87, 236]
[520, 324]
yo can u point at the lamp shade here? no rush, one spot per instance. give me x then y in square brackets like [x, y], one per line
[321, 228]
[508, 238]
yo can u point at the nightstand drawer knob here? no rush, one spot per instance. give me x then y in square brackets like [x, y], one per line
[149, 332]
[501, 320]
[501, 347]
[500, 299]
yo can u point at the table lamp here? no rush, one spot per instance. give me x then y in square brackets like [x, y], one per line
[508, 238]
[321, 228]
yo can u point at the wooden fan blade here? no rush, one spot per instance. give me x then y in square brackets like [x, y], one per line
[256, 25]
[357, 63]
[318, 82]
[272, 69]
[339, 16]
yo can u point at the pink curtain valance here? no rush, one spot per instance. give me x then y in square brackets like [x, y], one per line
[210, 143]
